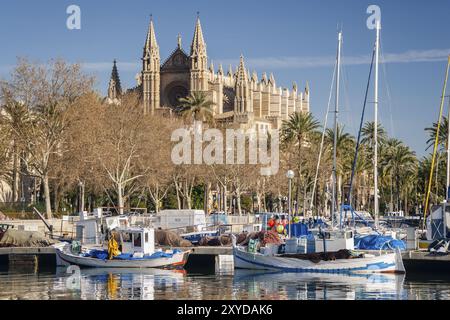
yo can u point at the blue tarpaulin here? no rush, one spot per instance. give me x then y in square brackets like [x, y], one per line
[103, 255]
[160, 254]
[378, 242]
[298, 229]
[99, 254]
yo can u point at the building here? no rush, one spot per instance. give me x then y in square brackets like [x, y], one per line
[240, 99]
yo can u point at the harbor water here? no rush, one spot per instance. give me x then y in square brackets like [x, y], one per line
[152, 284]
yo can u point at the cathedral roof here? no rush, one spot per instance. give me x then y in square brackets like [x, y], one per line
[177, 60]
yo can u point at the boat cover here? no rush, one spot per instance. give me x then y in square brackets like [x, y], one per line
[298, 229]
[103, 255]
[378, 242]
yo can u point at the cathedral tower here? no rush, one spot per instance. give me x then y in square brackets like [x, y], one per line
[243, 101]
[114, 87]
[199, 61]
[151, 72]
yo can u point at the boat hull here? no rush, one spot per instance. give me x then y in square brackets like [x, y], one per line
[383, 263]
[178, 260]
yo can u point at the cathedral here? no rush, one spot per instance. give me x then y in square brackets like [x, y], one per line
[241, 100]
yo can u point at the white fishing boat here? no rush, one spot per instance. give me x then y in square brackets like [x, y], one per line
[137, 251]
[359, 263]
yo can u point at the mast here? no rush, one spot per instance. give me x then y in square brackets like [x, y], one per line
[336, 111]
[375, 125]
[436, 142]
[447, 189]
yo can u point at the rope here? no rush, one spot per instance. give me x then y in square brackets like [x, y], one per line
[323, 139]
[358, 142]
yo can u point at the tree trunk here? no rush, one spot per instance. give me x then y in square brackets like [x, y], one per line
[48, 205]
[120, 198]
[56, 193]
[206, 198]
[15, 184]
[224, 199]
[82, 205]
[238, 200]
[178, 197]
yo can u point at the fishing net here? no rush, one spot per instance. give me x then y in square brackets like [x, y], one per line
[170, 238]
[32, 239]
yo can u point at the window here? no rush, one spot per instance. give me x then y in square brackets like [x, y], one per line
[126, 237]
[146, 237]
[137, 240]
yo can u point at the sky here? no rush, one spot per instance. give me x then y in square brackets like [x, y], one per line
[295, 40]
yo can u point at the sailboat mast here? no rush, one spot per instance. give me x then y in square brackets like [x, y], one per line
[336, 111]
[447, 189]
[375, 125]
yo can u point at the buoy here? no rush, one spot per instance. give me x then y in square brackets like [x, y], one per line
[280, 228]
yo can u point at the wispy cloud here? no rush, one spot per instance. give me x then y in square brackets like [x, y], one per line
[298, 62]
[107, 66]
[411, 56]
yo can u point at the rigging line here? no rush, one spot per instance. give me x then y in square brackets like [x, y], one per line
[355, 158]
[388, 90]
[323, 138]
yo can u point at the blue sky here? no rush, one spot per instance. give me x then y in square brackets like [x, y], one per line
[296, 40]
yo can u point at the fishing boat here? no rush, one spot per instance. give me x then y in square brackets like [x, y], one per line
[137, 250]
[341, 261]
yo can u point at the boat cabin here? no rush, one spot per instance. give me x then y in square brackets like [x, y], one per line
[438, 222]
[137, 240]
[334, 240]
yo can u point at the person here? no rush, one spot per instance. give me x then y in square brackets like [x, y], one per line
[270, 223]
[113, 248]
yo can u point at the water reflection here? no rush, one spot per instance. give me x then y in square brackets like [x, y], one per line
[310, 286]
[155, 284]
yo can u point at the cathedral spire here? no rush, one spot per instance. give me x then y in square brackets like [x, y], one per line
[242, 101]
[150, 43]
[230, 71]
[220, 71]
[241, 71]
[199, 60]
[114, 87]
[179, 41]
[151, 71]
[198, 46]
[116, 78]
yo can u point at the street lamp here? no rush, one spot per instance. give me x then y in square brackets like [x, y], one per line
[290, 175]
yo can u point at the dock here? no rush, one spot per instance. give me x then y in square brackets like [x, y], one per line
[218, 259]
[419, 261]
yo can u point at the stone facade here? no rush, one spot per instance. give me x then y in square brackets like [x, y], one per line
[240, 98]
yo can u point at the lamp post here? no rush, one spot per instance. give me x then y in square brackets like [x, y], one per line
[290, 175]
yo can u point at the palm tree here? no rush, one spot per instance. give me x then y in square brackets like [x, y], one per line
[367, 134]
[196, 107]
[295, 132]
[344, 154]
[14, 118]
[398, 162]
[443, 134]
